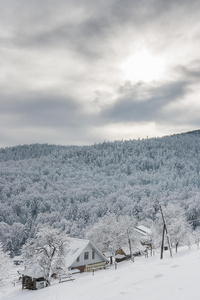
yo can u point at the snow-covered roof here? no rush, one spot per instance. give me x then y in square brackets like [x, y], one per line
[107, 253]
[143, 230]
[34, 271]
[120, 256]
[75, 248]
[126, 249]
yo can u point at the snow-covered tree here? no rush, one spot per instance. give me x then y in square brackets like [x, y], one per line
[179, 230]
[105, 233]
[5, 265]
[10, 249]
[196, 235]
[110, 233]
[189, 237]
[47, 250]
[129, 223]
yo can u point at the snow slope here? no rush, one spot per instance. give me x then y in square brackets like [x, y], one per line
[147, 278]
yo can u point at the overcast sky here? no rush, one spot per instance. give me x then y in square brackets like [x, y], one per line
[84, 71]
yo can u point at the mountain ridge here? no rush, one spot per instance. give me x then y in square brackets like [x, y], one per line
[47, 149]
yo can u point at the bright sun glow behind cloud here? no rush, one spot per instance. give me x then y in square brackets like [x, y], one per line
[143, 66]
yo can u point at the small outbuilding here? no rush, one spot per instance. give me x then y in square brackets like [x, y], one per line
[122, 254]
[120, 257]
[33, 279]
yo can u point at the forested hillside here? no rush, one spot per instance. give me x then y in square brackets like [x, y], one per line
[71, 187]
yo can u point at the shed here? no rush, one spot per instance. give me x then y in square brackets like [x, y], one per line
[33, 280]
[120, 257]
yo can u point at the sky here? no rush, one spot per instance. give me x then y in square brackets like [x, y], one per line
[79, 72]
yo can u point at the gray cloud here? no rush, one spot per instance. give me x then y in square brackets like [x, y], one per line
[75, 48]
[47, 110]
[131, 109]
[45, 119]
[35, 24]
[149, 103]
[191, 73]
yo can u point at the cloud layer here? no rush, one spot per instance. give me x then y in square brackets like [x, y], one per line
[61, 79]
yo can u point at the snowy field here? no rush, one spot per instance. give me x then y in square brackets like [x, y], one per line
[147, 278]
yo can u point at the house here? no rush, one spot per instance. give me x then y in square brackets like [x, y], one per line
[145, 236]
[84, 255]
[143, 231]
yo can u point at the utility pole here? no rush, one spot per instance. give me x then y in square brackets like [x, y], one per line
[162, 244]
[129, 242]
[163, 236]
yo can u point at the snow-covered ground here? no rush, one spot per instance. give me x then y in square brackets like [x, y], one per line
[147, 278]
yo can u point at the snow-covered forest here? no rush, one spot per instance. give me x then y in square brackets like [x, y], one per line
[70, 188]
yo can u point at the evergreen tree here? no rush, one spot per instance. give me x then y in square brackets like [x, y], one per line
[10, 248]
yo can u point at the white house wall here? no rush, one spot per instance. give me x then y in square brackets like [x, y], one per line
[83, 262]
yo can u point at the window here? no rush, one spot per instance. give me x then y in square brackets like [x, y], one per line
[86, 255]
[78, 259]
[93, 254]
